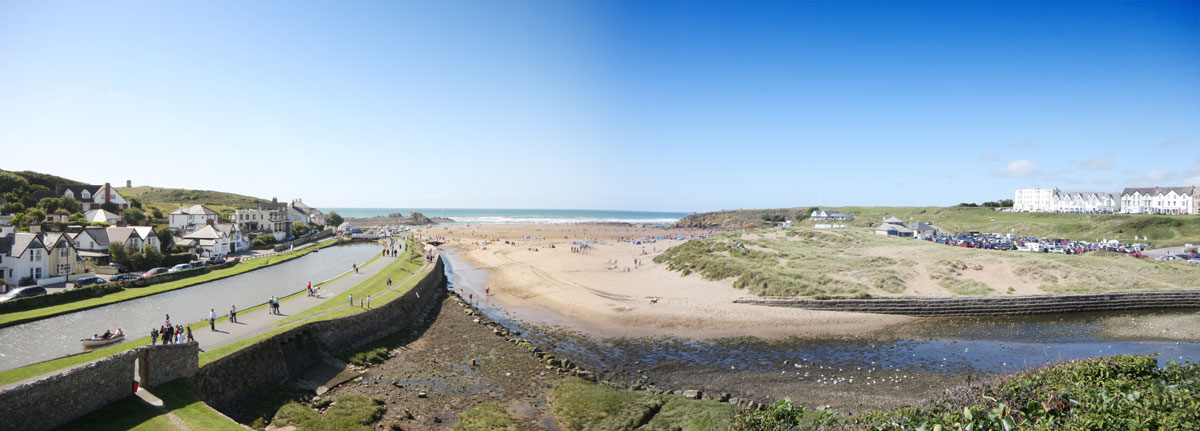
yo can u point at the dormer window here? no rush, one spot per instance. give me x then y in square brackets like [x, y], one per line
[69, 194]
[85, 195]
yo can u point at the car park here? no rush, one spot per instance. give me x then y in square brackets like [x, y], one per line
[88, 281]
[155, 271]
[23, 292]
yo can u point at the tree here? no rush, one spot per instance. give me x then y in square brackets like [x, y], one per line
[50, 205]
[110, 207]
[156, 213]
[12, 207]
[133, 216]
[333, 219]
[35, 215]
[10, 182]
[135, 203]
[76, 218]
[117, 255]
[300, 228]
[166, 238]
[144, 259]
[19, 220]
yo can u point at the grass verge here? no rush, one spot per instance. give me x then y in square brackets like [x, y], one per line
[348, 413]
[487, 416]
[582, 405]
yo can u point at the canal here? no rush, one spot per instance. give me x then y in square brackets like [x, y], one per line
[58, 336]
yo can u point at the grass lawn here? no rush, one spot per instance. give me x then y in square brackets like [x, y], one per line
[398, 270]
[132, 293]
[130, 413]
[347, 413]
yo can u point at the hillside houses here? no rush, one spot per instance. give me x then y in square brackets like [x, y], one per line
[190, 218]
[823, 215]
[93, 242]
[89, 197]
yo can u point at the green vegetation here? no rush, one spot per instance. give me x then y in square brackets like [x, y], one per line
[404, 266]
[1162, 229]
[167, 200]
[130, 413]
[485, 417]
[348, 413]
[1113, 392]
[582, 405]
[128, 294]
[854, 262]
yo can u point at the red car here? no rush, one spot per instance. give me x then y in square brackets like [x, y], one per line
[155, 271]
[1137, 255]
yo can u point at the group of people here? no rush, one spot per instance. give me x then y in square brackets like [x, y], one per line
[313, 291]
[108, 333]
[171, 334]
[273, 305]
[391, 252]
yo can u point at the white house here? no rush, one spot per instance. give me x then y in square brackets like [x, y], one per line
[89, 196]
[215, 240]
[190, 218]
[315, 216]
[1160, 200]
[829, 215]
[894, 229]
[101, 216]
[1055, 200]
[37, 258]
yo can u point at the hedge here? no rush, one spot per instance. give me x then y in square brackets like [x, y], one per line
[65, 296]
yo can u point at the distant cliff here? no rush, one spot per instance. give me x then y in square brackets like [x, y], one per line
[413, 219]
[743, 219]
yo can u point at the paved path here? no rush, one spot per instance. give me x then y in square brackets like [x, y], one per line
[261, 321]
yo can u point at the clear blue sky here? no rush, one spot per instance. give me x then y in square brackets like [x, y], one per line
[686, 105]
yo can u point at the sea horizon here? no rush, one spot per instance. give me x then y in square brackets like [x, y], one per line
[520, 216]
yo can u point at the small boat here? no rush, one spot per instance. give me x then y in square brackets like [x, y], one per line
[97, 341]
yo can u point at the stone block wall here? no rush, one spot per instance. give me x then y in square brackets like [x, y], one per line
[160, 364]
[996, 305]
[55, 400]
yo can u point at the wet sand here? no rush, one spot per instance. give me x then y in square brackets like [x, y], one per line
[608, 288]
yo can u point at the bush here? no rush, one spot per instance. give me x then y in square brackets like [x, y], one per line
[175, 259]
[262, 242]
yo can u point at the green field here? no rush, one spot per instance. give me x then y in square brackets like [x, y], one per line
[801, 261]
[179, 401]
[167, 199]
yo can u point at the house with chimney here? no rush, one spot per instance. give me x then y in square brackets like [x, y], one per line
[89, 196]
[268, 217]
[190, 218]
[41, 258]
[215, 240]
[92, 242]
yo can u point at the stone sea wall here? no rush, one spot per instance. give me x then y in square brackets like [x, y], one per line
[232, 383]
[56, 399]
[995, 305]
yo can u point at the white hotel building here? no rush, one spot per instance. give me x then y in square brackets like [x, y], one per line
[1055, 200]
[1161, 200]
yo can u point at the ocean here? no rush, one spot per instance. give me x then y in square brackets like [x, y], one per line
[520, 216]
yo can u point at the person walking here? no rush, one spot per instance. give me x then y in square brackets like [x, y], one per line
[190, 338]
[310, 288]
[356, 268]
[351, 299]
[368, 301]
[153, 336]
[233, 313]
[389, 282]
[212, 321]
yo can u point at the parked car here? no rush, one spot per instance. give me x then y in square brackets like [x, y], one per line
[155, 271]
[1138, 255]
[23, 292]
[123, 277]
[121, 269]
[88, 281]
[216, 261]
[180, 267]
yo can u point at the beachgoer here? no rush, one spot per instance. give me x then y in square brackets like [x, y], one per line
[212, 319]
[351, 299]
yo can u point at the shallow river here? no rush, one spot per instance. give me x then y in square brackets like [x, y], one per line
[918, 358]
[59, 336]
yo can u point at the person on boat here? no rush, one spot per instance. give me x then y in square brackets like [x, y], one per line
[107, 333]
[120, 333]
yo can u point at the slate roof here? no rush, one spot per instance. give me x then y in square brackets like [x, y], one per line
[6, 243]
[98, 234]
[1155, 191]
[205, 232]
[42, 194]
[893, 220]
[100, 216]
[61, 189]
[892, 226]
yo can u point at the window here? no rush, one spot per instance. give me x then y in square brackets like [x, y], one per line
[85, 195]
[64, 268]
[35, 273]
[35, 255]
[63, 252]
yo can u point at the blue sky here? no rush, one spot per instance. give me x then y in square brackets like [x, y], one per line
[678, 106]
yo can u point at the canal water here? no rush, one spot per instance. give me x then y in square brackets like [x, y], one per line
[58, 336]
[885, 369]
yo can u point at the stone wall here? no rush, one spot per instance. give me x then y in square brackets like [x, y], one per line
[232, 383]
[995, 305]
[160, 364]
[55, 400]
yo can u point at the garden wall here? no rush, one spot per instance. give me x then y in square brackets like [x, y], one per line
[995, 305]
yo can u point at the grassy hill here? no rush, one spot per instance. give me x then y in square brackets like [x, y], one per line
[45, 180]
[167, 199]
[1162, 229]
[801, 261]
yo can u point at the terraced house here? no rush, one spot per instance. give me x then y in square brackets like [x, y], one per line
[1161, 200]
[37, 258]
[1055, 200]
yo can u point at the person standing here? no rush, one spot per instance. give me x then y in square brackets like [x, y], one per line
[351, 299]
[368, 301]
[212, 321]
[190, 338]
[356, 268]
[233, 313]
[389, 282]
[310, 288]
[153, 336]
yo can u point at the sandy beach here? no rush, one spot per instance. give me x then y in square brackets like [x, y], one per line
[544, 275]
